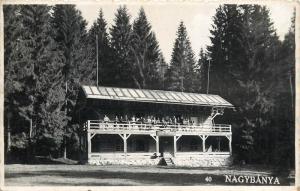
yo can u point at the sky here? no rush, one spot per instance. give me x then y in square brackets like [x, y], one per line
[197, 17]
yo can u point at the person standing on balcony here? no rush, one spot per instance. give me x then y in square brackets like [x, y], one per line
[133, 120]
[106, 120]
[174, 120]
[149, 119]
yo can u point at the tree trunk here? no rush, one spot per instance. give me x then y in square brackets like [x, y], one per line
[65, 149]
[8, 136]
[29, 150]
[292, 91]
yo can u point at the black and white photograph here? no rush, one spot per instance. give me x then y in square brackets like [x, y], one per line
[149, 93]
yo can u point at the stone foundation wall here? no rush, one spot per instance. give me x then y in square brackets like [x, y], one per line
[145, 159]
[203, 161]
[137, 162]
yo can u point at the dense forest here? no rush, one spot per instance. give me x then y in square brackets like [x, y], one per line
[49, 53]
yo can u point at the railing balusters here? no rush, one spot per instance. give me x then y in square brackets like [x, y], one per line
[98, 125]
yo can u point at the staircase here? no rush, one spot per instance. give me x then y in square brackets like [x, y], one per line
[168, 159]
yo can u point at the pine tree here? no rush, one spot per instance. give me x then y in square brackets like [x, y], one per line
[244, 46]
[70, 34]
[225, 51]
[162, 71]
[257, 77]
[202, 70]
[99, 31]
[145, 54]
[120, 34]
[11, 34]
[37, 69]
[285, 99]
[181, 74]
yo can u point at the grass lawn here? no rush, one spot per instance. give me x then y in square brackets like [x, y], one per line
[88, 175]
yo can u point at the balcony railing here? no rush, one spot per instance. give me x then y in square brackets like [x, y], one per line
[113, 126]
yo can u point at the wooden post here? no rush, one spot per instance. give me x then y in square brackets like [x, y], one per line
[229, 137]
[203, 137]
[230, 146]
[175, 146]
[125, 145]
[89, 144]
[203, 144]
[157, 145]
[125, 137]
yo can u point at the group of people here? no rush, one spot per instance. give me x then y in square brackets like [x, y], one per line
[167, 120]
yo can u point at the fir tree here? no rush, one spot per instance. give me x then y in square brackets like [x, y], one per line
[181, 73]
[225, 51]
[162, 71]
[11, 34]
[37, 67]
[70, 34]
[120, 34]
[202, 70]
[285, 99]
[99, 31]
[145, 54]
[243, 50]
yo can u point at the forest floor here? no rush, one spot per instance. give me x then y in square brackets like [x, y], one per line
[88, 175]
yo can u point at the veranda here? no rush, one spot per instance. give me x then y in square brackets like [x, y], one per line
[181, 128]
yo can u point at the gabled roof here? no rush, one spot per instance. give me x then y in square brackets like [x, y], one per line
[154, 96]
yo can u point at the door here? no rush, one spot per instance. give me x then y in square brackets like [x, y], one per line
[166, 145]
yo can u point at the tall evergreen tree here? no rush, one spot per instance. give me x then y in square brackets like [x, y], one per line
[162, 71]
[70, 34]
[11, 34]
[225, 51]
[256, 77]
[202, 70]
[37, 69]
[243, 50]
[99, 31]
[181, 74]
[145, 54]
[285, 101]
[120, 34]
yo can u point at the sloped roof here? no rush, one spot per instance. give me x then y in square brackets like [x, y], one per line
[154, 96]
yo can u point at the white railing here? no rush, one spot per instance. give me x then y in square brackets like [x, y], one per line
[112, 126]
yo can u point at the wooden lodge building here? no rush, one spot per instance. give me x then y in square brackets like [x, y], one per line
[151, 127]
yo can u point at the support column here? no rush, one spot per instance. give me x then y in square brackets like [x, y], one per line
[230, 146]
[125, 146]
[157, 145]
[89, 144]
[175, 143]
[203, 137]
[156, 138]
[175, 146]
[125, 137]
[229, 137]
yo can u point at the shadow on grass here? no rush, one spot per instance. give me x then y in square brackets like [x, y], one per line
[143, 178]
